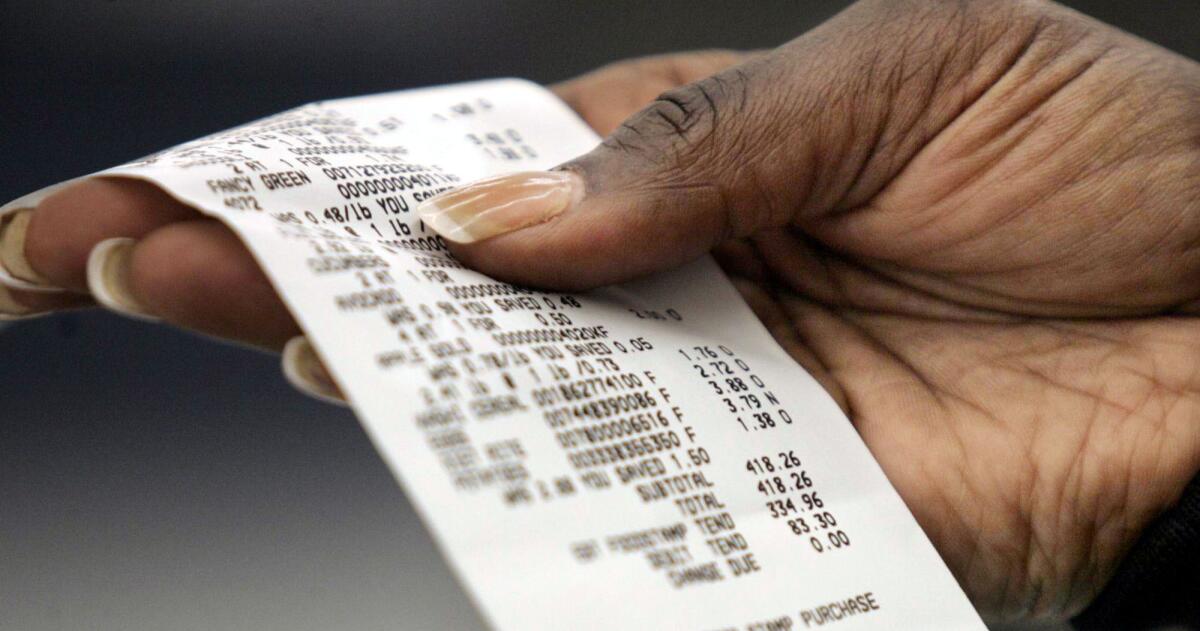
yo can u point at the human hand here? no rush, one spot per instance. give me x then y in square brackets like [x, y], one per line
[974, 222]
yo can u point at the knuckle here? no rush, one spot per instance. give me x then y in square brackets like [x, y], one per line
[688, 132]
[685, 124]
[687, 113]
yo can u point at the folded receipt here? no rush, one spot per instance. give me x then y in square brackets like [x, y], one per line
[639, 457]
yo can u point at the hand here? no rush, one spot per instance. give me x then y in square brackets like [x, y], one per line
[976, 223]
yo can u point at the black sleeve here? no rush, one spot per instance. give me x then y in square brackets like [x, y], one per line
[1158, 583]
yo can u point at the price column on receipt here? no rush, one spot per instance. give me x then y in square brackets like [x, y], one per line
[639, 457]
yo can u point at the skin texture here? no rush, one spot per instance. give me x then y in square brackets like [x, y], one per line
[976, 223]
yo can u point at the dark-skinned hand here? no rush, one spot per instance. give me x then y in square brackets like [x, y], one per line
[977, 223]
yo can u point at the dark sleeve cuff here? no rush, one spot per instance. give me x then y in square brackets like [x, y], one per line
[1158, 583]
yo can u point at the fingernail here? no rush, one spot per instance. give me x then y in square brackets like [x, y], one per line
[305, 371]
[499, 205]
[10, 309]
[12, 249]
[108, 277]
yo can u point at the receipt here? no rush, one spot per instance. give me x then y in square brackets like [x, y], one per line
[639, 457]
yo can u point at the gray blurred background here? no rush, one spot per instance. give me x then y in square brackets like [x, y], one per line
[151, 479]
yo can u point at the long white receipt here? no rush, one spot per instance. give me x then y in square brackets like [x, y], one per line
[640, 457]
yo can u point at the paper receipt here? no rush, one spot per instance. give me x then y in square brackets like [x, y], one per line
[639, 457]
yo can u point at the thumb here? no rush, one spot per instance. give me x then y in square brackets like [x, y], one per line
[661, 190]
[818, 125]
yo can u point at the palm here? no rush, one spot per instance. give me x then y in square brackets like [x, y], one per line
[1021, 445]
[1019, 409]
